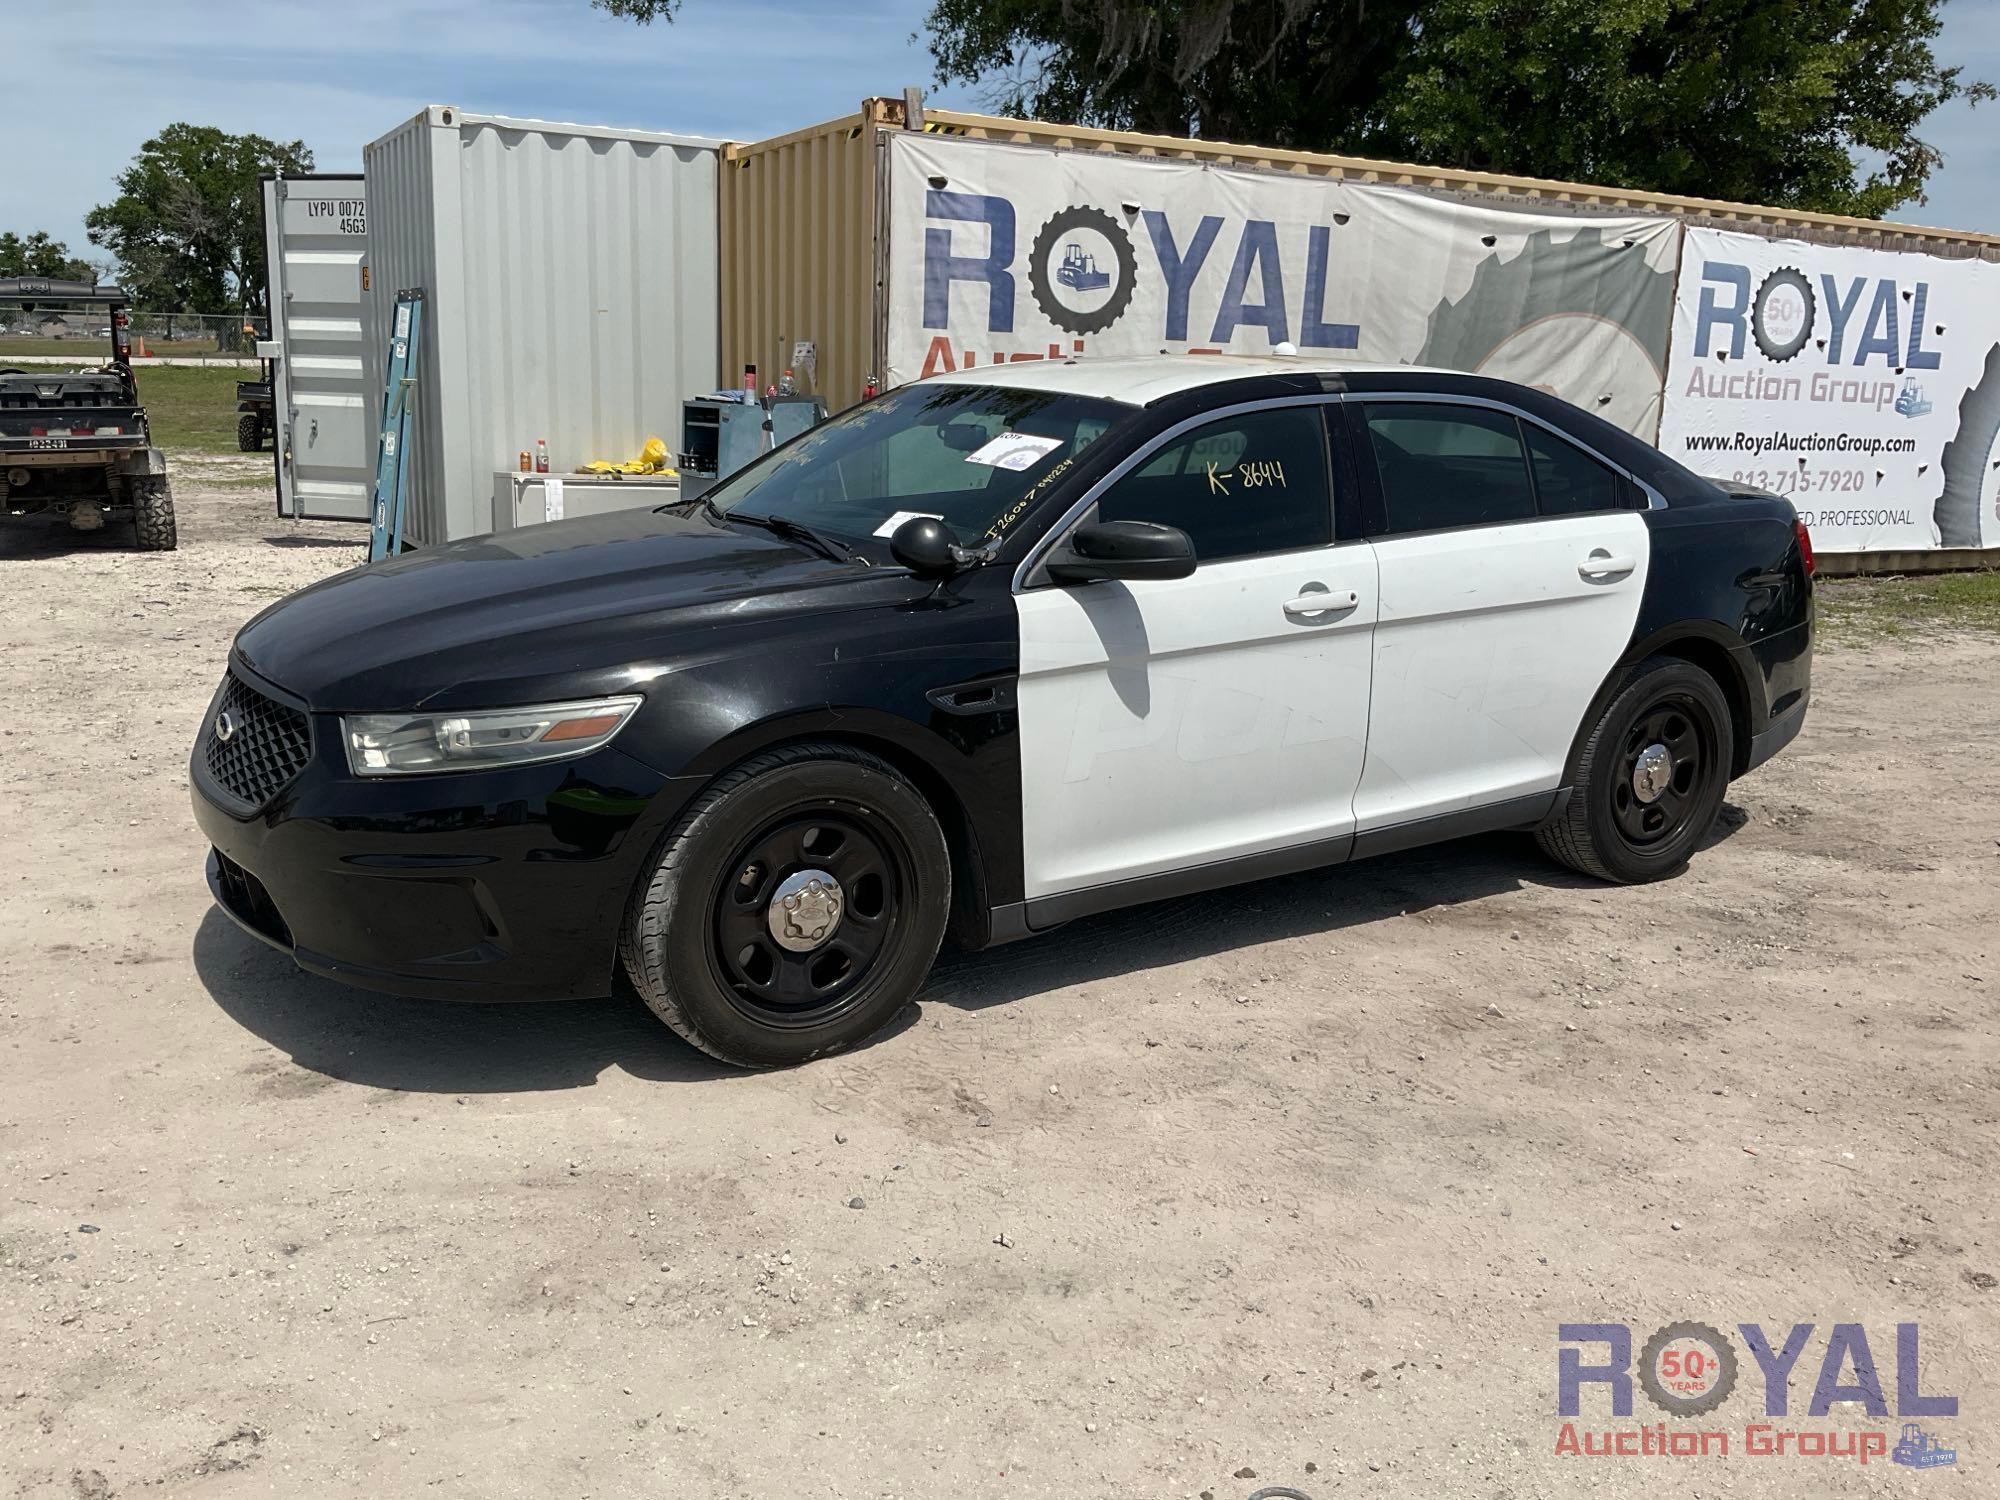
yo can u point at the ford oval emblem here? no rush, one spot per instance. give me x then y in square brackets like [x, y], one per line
[225, 726]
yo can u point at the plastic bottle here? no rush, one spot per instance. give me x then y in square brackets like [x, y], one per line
[785, 385]
[541, 455]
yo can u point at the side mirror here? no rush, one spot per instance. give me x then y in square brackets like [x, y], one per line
[925, 546]
[1123, 549]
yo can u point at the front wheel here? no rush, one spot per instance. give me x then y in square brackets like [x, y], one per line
[1648, 781]
[795, 907]
[153, 514]
[250, 432]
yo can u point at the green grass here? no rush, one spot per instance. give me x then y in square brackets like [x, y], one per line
[1859, 610]
[191, 408]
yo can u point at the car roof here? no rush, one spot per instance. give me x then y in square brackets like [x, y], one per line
[1143, 379]
[1173, 382]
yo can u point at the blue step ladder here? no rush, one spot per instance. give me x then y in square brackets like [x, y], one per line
[392, 450]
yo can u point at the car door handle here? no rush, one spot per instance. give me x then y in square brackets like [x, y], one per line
[1321, 603]
[1601, 564]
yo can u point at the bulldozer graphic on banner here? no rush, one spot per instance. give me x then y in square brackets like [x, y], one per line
[1079, 272]
[1917, 1449]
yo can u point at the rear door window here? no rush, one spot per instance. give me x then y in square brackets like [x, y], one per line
[1444, 466]
[1569, 481]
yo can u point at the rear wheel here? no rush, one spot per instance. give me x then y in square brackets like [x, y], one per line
[153, 514]
[1649, 780]
[794, 909]
[249, 432]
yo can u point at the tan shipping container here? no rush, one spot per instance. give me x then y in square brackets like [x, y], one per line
[799, 251]
[804, 246]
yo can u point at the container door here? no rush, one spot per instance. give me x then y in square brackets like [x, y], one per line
[316, 241]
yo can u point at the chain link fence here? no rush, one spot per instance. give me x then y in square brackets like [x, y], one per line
[88, 334]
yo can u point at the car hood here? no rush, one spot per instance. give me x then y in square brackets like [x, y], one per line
[569, 608]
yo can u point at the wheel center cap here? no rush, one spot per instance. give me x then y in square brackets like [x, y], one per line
[805, 909]
[1653, 773]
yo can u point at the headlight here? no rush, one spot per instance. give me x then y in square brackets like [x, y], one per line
[409, 744]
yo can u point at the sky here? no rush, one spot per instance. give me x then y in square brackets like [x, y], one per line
[86, 81]
[339, 73]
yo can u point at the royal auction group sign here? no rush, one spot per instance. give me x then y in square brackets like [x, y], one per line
[1863, 385]
[1003, 252]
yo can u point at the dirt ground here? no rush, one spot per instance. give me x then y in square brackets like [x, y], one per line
[1290, 1185]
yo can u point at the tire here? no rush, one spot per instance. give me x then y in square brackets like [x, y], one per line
[1585, 276]
[153, 515]
[1610, 828]
[698, 942]
[1964, 463]
[249, 432]
[1589, 281]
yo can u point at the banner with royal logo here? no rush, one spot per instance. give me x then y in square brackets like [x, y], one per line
[1863, 385]
[1001, 252]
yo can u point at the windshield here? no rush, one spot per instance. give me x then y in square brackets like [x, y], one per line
[966, 454]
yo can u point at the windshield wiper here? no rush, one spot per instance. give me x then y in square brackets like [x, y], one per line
[701, 500]
[798, 531]
[792, 531]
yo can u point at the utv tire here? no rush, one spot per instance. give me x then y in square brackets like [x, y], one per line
[249, 432]
[1648, 780]
[153, 515]
[710, 943]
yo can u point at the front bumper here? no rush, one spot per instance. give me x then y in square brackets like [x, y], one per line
[498, 885]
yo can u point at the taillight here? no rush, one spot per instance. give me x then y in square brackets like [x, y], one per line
[1805, 544]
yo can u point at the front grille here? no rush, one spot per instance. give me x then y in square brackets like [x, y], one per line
[268, 744]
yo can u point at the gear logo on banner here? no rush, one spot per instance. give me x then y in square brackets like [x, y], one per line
[1082, 271]
[1781, 319]
[1687, 1368]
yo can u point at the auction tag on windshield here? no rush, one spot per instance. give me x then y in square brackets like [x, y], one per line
[1014, 450]
[888, 527]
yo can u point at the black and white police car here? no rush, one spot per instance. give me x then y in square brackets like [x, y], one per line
[990, 653]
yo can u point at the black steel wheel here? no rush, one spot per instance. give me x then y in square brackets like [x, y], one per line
[793, 909]
[1660, 770]
[806, 910]
[1648, 780]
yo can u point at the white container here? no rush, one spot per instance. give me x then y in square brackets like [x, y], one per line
[571, 291]
[316, 251]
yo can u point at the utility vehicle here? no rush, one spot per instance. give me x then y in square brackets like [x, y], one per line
[74, 442]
